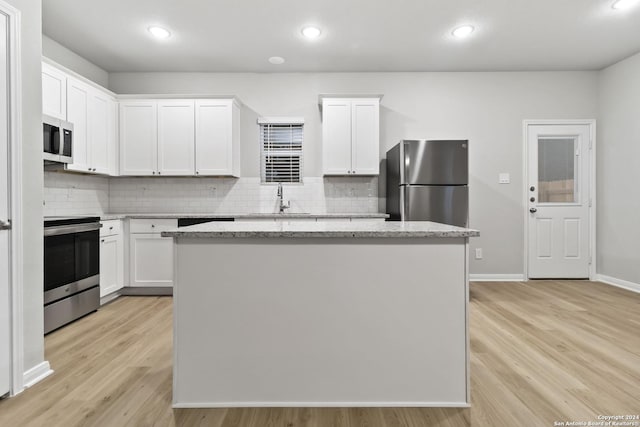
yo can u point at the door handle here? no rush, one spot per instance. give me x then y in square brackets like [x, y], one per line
[533, 210]
[5, 225]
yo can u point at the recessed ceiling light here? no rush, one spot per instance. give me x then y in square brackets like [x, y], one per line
[462, 31]
[311, 32]
[276, 60]
[623, 4]
[159, 32]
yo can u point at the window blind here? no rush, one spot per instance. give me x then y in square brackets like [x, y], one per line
[281, 152]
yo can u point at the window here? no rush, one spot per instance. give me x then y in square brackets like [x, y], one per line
[281, 152]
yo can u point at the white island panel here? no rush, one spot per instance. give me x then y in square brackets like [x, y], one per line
[320, 322]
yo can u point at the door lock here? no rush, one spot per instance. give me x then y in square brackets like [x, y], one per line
[533, 210]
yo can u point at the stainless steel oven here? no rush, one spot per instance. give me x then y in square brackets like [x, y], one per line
[57, 140]
[71, 269]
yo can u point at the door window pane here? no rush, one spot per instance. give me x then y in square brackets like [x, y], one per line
[557, 170]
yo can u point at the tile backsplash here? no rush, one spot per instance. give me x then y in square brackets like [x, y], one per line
[69, 194]
[242, 195]
[74, 194]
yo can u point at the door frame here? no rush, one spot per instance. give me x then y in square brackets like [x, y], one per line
[15, 200]
[592, 185]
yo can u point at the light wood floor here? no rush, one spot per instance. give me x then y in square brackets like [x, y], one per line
[542, 351]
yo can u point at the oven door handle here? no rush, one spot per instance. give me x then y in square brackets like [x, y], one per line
[70, 229]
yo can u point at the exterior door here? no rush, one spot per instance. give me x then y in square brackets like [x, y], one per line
[5, 309]
[558, 196]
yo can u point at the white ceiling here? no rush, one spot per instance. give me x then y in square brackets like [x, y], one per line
[358, 35]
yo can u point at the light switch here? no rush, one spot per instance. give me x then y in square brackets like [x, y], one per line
[504, 178]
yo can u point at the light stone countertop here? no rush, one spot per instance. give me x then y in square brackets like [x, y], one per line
[257, 229]
[111, 216]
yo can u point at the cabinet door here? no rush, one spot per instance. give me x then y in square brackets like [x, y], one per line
[365, 138]
[138, 138]
[111, 264]
[112, 139]
[77, 113]
[54, 92]
[151, 260]
[99, 148]
[336, 136]
[176, 141]
[214, 137]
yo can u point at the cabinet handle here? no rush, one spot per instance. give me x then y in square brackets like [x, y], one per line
[102, 240]
[111, 228]
[154, 172]
[197, 173]
[158, 172]
[153, 226]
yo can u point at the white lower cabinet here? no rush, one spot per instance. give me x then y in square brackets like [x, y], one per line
[150, 254]
[111, 258]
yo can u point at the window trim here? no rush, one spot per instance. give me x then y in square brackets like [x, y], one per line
[281, 121]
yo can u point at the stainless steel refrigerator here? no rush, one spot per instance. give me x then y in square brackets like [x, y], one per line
[428, 181]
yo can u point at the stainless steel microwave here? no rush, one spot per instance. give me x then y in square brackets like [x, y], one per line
[57, 140]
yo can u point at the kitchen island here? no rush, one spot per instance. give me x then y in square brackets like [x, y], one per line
[321, 314]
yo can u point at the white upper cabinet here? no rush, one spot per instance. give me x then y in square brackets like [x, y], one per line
[100, 144]
[54, 92]
[365, 136]
[91, 111]
[180, 137]
[138, 138]
[114, 158]
[78, 113]
[351, 136]
[217, 137]
[176, 139]
[336, 136]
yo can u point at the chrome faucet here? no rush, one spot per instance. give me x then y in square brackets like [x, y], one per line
[281, 200]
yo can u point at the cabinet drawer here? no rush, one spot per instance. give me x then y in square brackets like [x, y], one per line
[152, 225]
[110, 228]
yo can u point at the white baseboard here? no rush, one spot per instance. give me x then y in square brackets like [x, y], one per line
[496, 277]
[36, 374]
[322, 405]
[109, 298]
[619, 283]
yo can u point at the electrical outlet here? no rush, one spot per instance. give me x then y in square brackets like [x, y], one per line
[504, 178]
[478, 253]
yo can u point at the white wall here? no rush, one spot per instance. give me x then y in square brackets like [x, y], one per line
[32, 180]
[619, 170]
[67, 58]
[486, 108]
